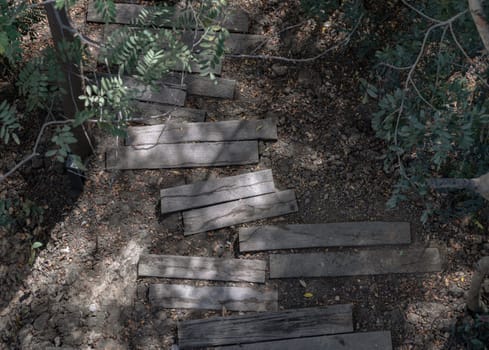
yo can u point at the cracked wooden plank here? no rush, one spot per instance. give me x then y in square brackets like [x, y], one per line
[203, 86]
[232, 130]
[380, 340]
[203, 268]
[220, 190]
[236, 20]
[341, 234]
[155, 114]
[355, 263]
[236, 43]
[265, 326]
[183, 155]
[238, 212]
[170, 94]
[175, 296]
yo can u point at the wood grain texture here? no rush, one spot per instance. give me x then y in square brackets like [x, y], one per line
[232, 130]
[184, 155]
[240, 211]
[236, 43]
[220, 190]
[323, 235]
[352, 341]
[265, 326]
[164, 93]
[155, 114]
[236, 20]
[203, 86]
[175, 296]
[354, 263]
[203, 268]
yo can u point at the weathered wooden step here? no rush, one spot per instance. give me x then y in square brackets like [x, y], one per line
[176, 296]
[209, 192]
[350, 341]
[323, 235]
[203, 86]
[232, 130]
[265, 326]
[238, 212]
[236, 43]
[155, 114]
[183, 155]
[353, 263]
[235, 20]
[203, 268]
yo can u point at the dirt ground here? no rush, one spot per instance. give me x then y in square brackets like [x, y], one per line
[82, 289]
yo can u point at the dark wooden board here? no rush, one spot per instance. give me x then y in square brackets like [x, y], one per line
[177, 296]
[220, 190]
[265, 326]
[236, 43]
[164, 93]
[323, 235]
[353, 263]
[236, 20]
[183, 155]
[203, 86]
[203, 268]
[240, 211]
[352, 341]
[232, 130]
[155, 113]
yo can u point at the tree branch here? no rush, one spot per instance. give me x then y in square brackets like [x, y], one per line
[480, 21]
[34, 152]
[474, 301]
[303, 60]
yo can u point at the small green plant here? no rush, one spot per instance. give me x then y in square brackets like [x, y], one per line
[34, 248]
[473, 333]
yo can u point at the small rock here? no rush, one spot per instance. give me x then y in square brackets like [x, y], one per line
[93, 307]
[456, 291]
[57, 342]
[279, 69]
[41, 322]
[337, 298]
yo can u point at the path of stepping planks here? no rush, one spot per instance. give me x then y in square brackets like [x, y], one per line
[188, 141]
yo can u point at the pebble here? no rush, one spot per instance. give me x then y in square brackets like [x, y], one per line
[41, 322]
[92, 307]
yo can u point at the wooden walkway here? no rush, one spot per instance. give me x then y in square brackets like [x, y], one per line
[170, 135]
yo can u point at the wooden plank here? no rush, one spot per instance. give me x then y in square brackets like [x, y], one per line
[236, 43]
[176, 296]
[236, 20]
[232, 130]
[266, 326]
[353, 263]
[183, 155]
[202, 193]
[203, 86]
[341, 234]
[203, 268]
[353, 341]
[155, 113]
[164, 93]
[240, 211]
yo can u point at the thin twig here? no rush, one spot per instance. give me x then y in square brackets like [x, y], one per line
[303, 60]
[34, 152]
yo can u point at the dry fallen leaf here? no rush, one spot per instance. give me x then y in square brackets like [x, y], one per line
[302, 283]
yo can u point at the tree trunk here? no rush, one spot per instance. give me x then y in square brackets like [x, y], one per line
[60, 25]
[474, 302]
[480, 21]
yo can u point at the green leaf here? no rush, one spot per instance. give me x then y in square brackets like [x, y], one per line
[4, 42]
[36, 245]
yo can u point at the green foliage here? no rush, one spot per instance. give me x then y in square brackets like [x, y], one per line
[320, 9]
[8, 123]
[18, 212]
[106, 8]
[473, 333]
[62, 138]
[431, 105]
